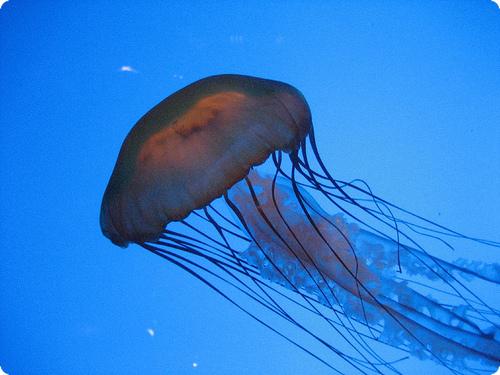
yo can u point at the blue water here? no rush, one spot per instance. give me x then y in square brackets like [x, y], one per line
[403, 95]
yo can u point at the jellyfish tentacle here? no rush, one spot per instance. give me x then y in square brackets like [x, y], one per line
[344, 266]
[471, 339]
[442, 265]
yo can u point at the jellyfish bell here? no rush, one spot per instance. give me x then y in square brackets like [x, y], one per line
[194, 145]
[355, 263]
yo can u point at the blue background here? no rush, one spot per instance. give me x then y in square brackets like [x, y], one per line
[404, 94]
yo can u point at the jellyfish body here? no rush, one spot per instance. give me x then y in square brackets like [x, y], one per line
[191, 160]
[193, 146]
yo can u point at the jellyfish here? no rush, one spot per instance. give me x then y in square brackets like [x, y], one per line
[224, 179]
